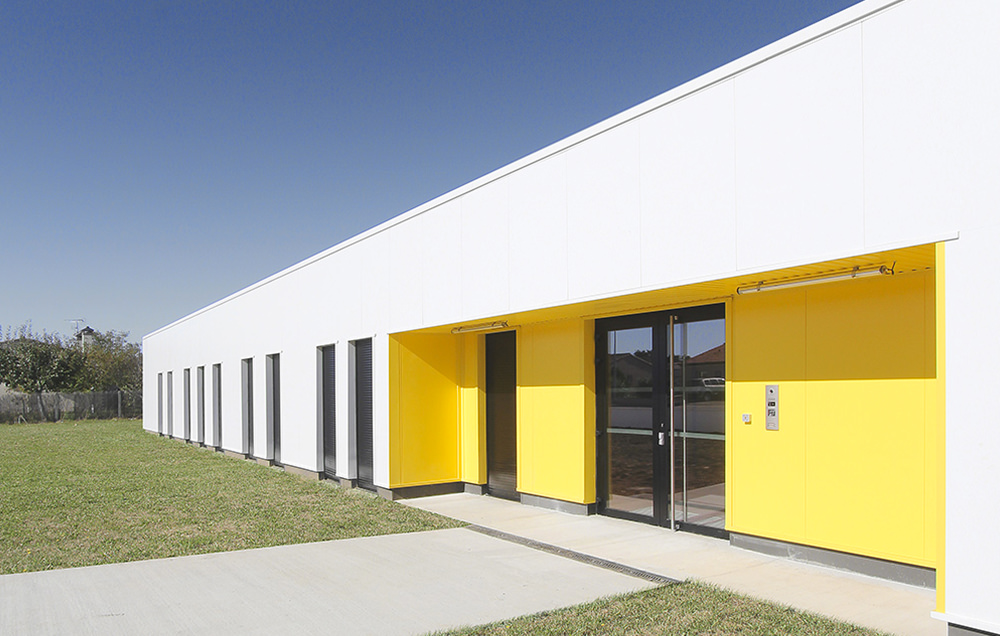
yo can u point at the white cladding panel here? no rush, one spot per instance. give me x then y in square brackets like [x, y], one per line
[973, 441]
[406, 251]
[485, 251]
[346, 434]
[210, 398]
[932, 129]
[299, 396]
[380, 410]
[306, 294]
[174, 414]
[932, 156]
[603, 213]
[232, 404]
[150, 394]
[345, 277]
[539, 234]
[799, 175]
[442, 262]
[375, 276]
[688, 188]
[260, 432]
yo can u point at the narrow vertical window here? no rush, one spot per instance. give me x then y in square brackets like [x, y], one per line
[170, 403]
[362, 416]
[248, 407]
[159, 403]
[273, 372]
[329, 423]
[217, 405]
[187, 403]
[200, 401]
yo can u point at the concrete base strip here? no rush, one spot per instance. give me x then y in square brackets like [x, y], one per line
[614, 566]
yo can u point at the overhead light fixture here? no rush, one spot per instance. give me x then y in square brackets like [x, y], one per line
[486, 326]
[856, 272]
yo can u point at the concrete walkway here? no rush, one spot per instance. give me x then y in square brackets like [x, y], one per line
[421, 582]
[398, 584]
[855, 598]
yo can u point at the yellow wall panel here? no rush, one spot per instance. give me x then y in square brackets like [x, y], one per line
[851, 466]
[938, 427]
[472, 399]
[589, 415]
[769, 337]
[865, 472]
[551, 428]
[867, 328]
[424, 421]
[767, 487]
[731, 416]
[555, 410]
[525, 410]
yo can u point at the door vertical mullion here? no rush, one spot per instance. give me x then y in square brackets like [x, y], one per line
[661, 385]
[684, 416]
[669, 397]
[603, 438]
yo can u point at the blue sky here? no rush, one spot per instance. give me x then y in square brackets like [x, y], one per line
[157, 156]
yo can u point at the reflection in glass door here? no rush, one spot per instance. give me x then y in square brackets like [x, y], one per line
[630, 420]
[661, 417]
[699, 403]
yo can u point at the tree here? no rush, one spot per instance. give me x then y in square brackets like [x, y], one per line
[111, 363]
[34, 363]
[37, 363]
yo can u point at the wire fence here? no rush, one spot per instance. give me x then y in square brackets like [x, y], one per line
[52, 407]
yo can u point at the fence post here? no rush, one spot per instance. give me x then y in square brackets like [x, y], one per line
[119, 404]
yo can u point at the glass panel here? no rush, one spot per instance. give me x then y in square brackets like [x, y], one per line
[700, 421]
[630, 420]
[705, 503]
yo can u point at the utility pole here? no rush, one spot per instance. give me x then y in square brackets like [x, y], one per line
[76, 330]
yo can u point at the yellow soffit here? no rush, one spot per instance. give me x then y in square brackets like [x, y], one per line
[904, 260]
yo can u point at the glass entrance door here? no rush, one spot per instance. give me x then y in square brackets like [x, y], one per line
[699, 422]
[633, 422]
[661, 417]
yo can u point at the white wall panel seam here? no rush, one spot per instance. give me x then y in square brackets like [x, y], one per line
[380, 410]
[864, 141]
[510, 249]
[736, 180]
[638, 182]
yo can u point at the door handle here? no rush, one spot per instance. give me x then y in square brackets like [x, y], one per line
[663, 438]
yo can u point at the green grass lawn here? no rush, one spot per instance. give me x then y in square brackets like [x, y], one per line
[90, 492]
[684, 609]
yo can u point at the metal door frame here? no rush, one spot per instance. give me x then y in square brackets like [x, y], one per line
[663, 325]
[491, 489]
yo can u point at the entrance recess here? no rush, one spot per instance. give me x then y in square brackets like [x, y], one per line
[661, 417]
[501, 414]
